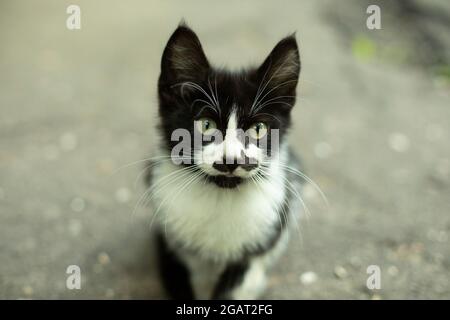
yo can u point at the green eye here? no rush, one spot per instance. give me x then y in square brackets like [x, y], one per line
[206, 125]
[258, 130]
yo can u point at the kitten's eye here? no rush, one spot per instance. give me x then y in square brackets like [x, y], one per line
[206, 126]
[258, 130]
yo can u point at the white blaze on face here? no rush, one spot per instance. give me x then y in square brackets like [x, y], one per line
[232, 147]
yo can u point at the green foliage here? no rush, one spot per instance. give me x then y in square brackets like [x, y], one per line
[364, 48]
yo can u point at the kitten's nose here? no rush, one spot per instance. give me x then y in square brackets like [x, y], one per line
[226, 165]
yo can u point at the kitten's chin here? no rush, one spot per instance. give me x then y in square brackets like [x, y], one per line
[225, 182]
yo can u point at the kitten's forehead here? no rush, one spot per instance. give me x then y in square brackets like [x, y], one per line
[236, 93]
[232, 123]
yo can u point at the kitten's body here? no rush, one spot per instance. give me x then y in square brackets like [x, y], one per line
[219, 232]
[211, 230]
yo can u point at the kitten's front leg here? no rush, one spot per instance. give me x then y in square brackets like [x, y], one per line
[242, 280]
[174, 273]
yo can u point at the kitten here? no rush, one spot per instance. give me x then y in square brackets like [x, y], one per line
[223, 220]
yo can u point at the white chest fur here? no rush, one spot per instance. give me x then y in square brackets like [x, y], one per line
[218, 222]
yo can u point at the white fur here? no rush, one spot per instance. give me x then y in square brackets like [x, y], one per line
[219, 223]
[254, 282]
[255, 279]
[216, 221]
[204, 274]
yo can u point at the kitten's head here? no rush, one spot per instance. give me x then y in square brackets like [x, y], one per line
[235, 120]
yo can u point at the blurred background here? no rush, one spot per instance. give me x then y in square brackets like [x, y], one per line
[372, 127]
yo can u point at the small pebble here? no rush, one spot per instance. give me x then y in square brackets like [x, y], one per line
[123, 195]
[308, 277]
[399, 142]
[27, 290]
[68, 141]
[77, 204]
[322, 150]
[103, 258]
[355, 262]
[340, 272]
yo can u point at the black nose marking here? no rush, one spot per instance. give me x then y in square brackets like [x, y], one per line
[226, 165]
[229, 165]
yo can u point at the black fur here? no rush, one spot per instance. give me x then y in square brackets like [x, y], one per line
[231, 276]
[184, 62]
[174, 273]
[184, 65]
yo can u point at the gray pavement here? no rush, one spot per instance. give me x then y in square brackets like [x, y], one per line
[372, 127]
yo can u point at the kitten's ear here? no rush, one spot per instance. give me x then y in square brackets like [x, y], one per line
[183, 58]
[281, 68]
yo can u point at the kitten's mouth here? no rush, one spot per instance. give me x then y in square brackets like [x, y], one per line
[225, 181]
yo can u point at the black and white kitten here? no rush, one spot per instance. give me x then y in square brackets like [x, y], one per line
[224, 207]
